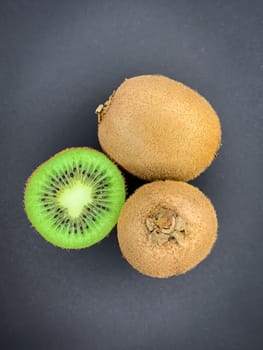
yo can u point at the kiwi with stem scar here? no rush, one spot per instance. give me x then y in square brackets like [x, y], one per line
[166, 228]
[74, 199]
[157, 128]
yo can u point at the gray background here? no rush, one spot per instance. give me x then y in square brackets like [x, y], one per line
[58, 61]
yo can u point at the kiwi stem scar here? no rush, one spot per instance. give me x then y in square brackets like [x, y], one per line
[75, 198]
[102, 108]
[164, 224]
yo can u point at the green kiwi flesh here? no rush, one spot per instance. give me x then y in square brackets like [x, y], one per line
[74, 199]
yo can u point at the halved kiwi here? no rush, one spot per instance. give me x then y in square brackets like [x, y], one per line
[158, 128]
[166, 228]
[74, 199]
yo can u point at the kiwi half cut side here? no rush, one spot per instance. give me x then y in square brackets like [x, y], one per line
[74, 199]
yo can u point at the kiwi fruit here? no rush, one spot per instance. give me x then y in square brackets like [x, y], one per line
[74, 199]
[157, 128]
[166, 228]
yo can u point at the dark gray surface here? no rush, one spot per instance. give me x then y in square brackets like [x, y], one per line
[58, 61]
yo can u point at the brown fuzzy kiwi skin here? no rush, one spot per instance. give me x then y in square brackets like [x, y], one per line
[170, 258]
[43, 164]
[157, 128]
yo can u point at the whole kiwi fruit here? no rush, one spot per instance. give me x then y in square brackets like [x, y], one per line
[166, 228]
[74, 199]
[158, 128]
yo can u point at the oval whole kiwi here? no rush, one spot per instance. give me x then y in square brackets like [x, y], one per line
[166, 228]
[74, 198]
[158, 128]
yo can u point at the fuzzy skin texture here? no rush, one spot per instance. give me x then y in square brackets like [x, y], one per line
[158, 128]
[169, 258]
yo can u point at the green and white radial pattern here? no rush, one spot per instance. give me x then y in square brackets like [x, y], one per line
[74, 199]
